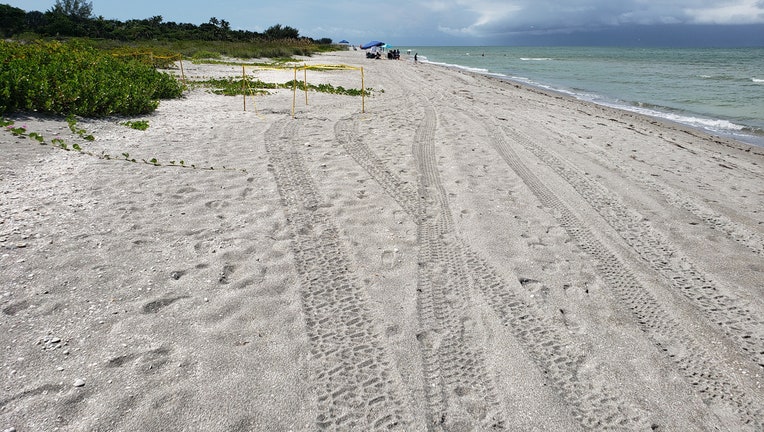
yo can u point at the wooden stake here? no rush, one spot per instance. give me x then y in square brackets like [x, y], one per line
[294, 91]
[363, 94]
[305, 82]
[182, 74]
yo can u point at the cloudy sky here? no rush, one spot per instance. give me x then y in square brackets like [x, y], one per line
[469, 22]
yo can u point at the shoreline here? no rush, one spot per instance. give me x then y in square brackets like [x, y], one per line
[469, 253]
[727, 140]
[745, 134]
[722, 139]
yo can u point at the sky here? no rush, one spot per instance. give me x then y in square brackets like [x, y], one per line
[468, 22]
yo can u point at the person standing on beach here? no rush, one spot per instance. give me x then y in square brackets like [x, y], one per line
[415, 57]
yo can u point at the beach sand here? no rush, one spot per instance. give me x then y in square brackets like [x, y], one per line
[467, 254]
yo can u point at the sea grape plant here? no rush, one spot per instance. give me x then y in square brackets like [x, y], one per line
[74, 79]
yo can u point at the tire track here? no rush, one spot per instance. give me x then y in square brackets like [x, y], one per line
[454, 365]
[403, 192]
[728, 313]
[354, 378]
[714, 220]
[723, 394]
[447, 267]
[691, 357]
[710, 217]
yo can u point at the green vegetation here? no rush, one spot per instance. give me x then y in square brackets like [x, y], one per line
[325, 88]
[97, 67]
[234, 87]
[202, 54]
[205, 49]
[141, 125]
[72, 122]
[21, 132]
[156, 57]
[73, 19]
[71, 78]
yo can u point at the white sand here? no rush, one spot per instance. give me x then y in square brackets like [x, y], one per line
[468, 254]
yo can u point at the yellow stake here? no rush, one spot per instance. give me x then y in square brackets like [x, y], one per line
[294, 91]
[244, 86]
[363, 94]
[305, 82]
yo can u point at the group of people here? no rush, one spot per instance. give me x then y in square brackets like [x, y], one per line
[375, 53]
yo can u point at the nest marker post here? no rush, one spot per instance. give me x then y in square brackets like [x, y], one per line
[294, 90]
[305, 82]
[244, 86]
[363, 94]
[182, 74]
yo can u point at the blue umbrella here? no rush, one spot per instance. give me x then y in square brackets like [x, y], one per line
[344, 41]
[368, 45]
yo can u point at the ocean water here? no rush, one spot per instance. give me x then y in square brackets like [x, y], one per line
[718, 90]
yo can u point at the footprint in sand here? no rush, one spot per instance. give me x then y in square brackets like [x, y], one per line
[389, 258]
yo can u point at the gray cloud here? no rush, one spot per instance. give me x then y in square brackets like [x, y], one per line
[490, 18]
[462, 22]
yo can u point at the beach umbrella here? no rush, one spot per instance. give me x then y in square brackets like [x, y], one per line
[344, 41]
[368, 45]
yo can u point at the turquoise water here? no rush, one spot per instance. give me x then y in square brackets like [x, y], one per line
[718, 90]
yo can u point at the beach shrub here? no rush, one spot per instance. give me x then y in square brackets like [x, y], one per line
[234, 87]
[156, 57]
[325, 88]
[71, 78]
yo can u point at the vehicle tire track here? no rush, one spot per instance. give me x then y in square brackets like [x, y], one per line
[691, 357]
[730, 314]
[403, 192]
[454, 365]
[355, 381]
[714, 220]
[447, 267]
[710, 217]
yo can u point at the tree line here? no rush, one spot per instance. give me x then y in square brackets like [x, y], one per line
[73, 18]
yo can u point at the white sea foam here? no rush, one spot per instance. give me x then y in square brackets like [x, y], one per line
[715, 99]
[708, 124]
[718, 126]
[713, 125]
[455, 66]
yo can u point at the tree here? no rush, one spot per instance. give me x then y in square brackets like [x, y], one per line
[35, 20]
[73, 8]
[155, 21]
[11, 20]
[279, 32]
